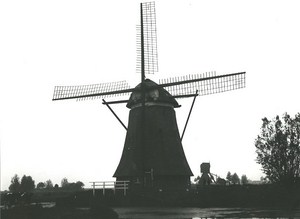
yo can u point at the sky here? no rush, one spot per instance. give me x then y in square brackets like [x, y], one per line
[48, 43]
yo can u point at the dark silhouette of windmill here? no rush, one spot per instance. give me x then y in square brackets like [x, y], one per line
[153, 155]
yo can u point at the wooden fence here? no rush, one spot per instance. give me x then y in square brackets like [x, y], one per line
[110, 185]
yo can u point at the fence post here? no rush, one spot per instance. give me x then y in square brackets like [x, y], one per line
[103, 189]
[124, 188]
[94, 189]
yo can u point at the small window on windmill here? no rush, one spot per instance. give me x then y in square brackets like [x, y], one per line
[205, 168]
[154, 94]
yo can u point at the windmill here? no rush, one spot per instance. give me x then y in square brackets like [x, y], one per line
[153, 155]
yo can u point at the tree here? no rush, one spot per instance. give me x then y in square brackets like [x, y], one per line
[27, 184]
[74, 186]
[49, 184]
[40, 185]
[264, 180]
[64, 182]
[15, 184]
[235, 179]
[221, 181]
[244, 180]
[278, 149]
[79, 185]
[229, 177]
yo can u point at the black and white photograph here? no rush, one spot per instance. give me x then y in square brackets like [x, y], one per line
[163, 109]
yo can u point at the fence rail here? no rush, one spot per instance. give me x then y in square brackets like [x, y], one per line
[111, 185]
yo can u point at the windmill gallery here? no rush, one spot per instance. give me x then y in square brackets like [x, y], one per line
[153, 155]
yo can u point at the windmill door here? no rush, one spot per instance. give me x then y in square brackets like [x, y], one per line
[148, 178]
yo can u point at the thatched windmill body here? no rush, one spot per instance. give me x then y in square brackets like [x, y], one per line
[153, 155]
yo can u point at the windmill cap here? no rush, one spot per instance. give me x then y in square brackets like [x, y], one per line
[153, 94]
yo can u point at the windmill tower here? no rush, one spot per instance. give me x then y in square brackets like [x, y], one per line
[153, 155]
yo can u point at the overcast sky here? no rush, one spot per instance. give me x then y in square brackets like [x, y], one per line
[64, 42]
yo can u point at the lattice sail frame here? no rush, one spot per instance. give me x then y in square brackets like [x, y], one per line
[208, 83]
[92, 91]
[150, 40]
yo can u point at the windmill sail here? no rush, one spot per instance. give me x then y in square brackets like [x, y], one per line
[146, 38]
[206, 84]
[91, 91]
